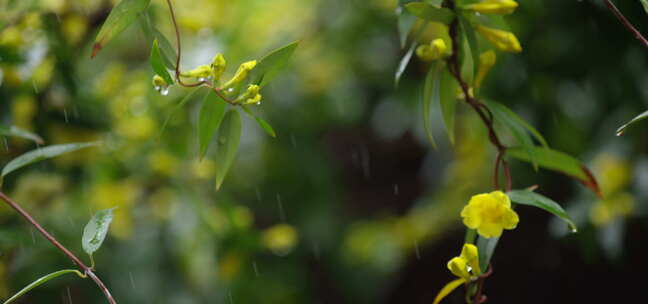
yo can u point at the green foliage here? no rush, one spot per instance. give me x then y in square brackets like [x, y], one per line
[621, 130]
[430, 13]
[447, 96]
[530, 198]
[40, 281]
[486, 248]
[229, 137]
[121, 16]
[261, 122]
[211, 115]
[95, 231]
[41, 154]
[18, 132]
[158, 65]
[273, 64]
[431, 95]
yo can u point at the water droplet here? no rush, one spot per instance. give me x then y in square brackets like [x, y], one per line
[282, 214]
[158, 88]
[258, 103]
[416, 250]
[201, 79]
[165, 91]
[230, 90]
[256, 270]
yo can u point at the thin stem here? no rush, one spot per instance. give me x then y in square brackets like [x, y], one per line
[626, 23]
[178, 73]
[86, 270]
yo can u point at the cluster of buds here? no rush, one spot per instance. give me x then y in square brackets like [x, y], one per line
[211, 74]
[503, 40]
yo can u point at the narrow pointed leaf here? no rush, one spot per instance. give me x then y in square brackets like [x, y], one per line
[447, 289]
[41, 281]
[505, 117]
[514, 118]
[262, 123]
[405, 23]
[448, 101]
[167, 51]
[530, 198]
[197, 94]
[558, 161]
[158, 65]
[120, 17]
[41, 154]
[645, 5]
[95, 231]
[229, 137]
[22, 133]
[211, 115]
[471, 39]
[486, 248]
[620, 131]
[272, 64]
[430, 13]
[430, 95]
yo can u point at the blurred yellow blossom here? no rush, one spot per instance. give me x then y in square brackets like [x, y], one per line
[613, 172]
[74, 27]
[617, 206]
[163, 163]
[122, 195]
[218, 66]
[436, 49]
[501, 7]
[281, 238]
[503, 40]
[136, 128]
[241, 217]
[23, 111]
[251, 95]
[489, 213]
[229, 266]
[486, 62]
[203, 169]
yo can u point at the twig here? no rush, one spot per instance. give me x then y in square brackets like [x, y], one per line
[178, 73]
[626, 23]
[86, 270]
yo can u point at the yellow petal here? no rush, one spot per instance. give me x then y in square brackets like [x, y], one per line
[501, 7]
[458, 267]
[511, 219]
[503, 40]
[447, 289]
[489, 230]
[471, 254]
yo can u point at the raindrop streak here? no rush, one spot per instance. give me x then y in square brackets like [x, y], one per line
[416, 249]
[256, 270]
[258, 193]
[31, 230]
[35, 86]
[4, 139]
[65, 115]
[316, 250]
[282, 214]
[364, 161]
[293, 141]
[395, 189]
[230, 298]
[130, 274]
[69, 294]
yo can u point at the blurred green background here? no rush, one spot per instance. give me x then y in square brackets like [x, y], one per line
[349, 204]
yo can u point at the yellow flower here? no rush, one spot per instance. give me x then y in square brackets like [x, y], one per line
[503, 40]
[490, 213]
[501, 7]
[467, 264]
[486, 62]
[241, 74]
[159, 82]
[433, 51]
[218, 65]
[251, 95]
[201, 71]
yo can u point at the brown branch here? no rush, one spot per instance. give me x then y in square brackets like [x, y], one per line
[178, 73]
[86, 270]
[626, 23]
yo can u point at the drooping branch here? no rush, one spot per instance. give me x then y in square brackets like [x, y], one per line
[637, 34]
[86, 270]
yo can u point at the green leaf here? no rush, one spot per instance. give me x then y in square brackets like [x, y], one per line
[431, 94]
[430, 12]
[211, 115]
[645, 5]
[486, 248]
[41, 154]
[18, 132]
[558, 161]
[198, 93]
[530, 198]
[168, 52]
[405, 23]
[95, 231]
[511, 121]
[41, 281]
[272, 64]
[402, 65]
[120, 17]
[229, 137]
[157, 65]
[620, 131]
[262, 123]
[469, 34]
[517, 120]
[448, 100]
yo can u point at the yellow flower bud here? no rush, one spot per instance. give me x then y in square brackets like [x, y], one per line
[433, 51]
[503, 40]
[159, 82]
[467, 264]
[218, 65]
[201, 71]
[241, 73]
[251, 95]
[490, 213]
[501, 7]
[486, 62]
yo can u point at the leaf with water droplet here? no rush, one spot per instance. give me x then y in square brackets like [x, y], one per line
[530, 198]
[229, 137]
[95, 231]
[158, 65]
[211, 115]
[41, 154]
[638, 118]
[18, 132]
[120, 17]
[40, 281]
